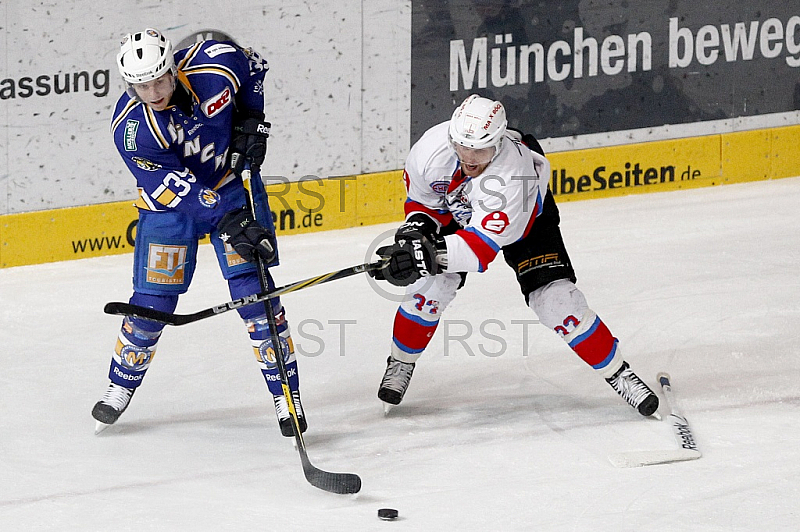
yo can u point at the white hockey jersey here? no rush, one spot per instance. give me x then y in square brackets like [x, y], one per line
[495, 209]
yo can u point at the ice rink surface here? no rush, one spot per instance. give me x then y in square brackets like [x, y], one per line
[502, 429]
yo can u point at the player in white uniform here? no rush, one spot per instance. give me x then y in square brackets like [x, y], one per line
[475, 188]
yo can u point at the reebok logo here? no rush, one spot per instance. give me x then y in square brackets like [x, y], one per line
[682, 429]
[275, 378]
[127, 377]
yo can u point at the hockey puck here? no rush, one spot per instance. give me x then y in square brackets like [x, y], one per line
[387, 514]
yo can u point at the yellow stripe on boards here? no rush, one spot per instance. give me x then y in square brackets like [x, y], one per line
[315, 204]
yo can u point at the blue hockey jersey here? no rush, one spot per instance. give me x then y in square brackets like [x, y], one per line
[180, 160]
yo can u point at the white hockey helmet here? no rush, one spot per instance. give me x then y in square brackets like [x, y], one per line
[145, 56]
[478, 123]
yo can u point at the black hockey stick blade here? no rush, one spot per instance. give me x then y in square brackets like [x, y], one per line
[340, 483]
[126, 309]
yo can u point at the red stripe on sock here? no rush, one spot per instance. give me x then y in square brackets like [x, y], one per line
[411, 334]
[597, 346]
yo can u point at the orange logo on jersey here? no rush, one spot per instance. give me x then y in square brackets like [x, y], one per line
[233, 258]
[166, 264]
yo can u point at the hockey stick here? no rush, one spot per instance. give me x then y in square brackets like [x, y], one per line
[325, 480]
[680, 427]
[127, 309]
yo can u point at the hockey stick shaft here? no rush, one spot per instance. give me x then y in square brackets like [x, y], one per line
[167, 318]
[680, 425]
[333, 482]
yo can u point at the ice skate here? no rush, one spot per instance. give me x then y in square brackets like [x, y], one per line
[284, 417]
[395, 382]
[631, 388]
[108, 409]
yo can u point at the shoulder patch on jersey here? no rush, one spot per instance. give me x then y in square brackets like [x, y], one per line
[495, 222]
[131, 127]
[440, 187]
[257, 63]
[146, 164]
[219, 49]
[217, 103]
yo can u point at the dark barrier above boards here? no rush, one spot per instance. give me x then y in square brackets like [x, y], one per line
[577, 67]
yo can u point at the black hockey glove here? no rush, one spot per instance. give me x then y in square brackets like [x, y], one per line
[402, 269]
[249, 141]
[417, 223]
[412, 257]
[238, 229]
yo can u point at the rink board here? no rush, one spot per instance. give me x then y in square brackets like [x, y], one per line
[316, 204]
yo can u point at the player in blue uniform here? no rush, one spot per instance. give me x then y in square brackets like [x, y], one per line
[174, 128]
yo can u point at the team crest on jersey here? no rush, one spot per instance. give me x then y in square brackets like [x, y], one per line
[208, 198]
[166, 264]
[495, 222]
[146, 164]
[217, 103]
[440, 187]
[131, 126]
[458, 203]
